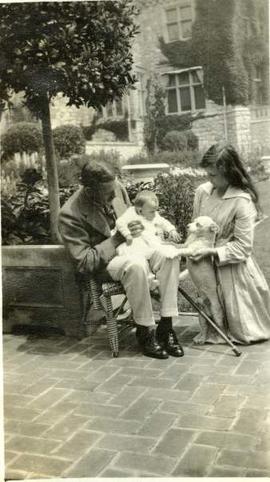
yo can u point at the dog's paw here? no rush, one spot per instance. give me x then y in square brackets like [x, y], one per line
[199, 339]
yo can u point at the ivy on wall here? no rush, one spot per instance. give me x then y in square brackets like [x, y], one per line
[228, 42]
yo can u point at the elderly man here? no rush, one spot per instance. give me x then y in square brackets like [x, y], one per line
[85, 223]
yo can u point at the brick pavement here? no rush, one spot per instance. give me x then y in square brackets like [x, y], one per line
[73, 411]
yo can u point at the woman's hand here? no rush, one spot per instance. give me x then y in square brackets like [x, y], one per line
[201, 253]
[174, 236]
[136, 228]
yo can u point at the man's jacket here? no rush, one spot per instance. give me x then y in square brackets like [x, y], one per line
[85, 230]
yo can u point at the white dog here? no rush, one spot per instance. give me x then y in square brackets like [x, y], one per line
[201, 234]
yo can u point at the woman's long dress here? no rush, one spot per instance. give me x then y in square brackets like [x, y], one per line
[245, 293]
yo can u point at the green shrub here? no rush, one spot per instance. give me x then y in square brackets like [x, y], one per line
[192, 140]
[185, 158]
[21, 137]
[174, 141]
[118, 127]
[175, 194]
[68, 140]
[25, 213]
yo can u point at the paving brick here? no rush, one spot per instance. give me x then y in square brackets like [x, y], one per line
[56, 413]
[217, 471]
[79, 384]
[98, 410]
[203, 422]
[153, 382]
[226, 440]
[228, 406]
[113, 426]
[248, 368]
[207, 393]
[157, 424]
[189, 382]
[113, 473]
[257, 473]
[258, 401]
[81, 396]
[19, 413]
[259, 460]
[229, 379]
[77, 445]
[174, 442]
[195, 462]
[39, 387]
[175, 371]
[250, 421]
[13, 474]
[40, 464]
[10, 456]
[103, 373]
[24, 444]
[126, 443]
[167, 394]
[49, 398]
[140, 409]
[236, 458]
[127, 395]
[19, 400]
[91, 464]
[66, 427]
[114, 384]
[156, 465]
[25, 428]
[182, 407]
[264, 441]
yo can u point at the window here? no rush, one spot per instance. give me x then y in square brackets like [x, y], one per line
[114, 109]
[141, 89]
[179, 21]
[184, 92]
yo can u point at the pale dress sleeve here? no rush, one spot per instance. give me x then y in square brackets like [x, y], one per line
[197, 203]
[123, 221]
[164, 224]
[240, 247]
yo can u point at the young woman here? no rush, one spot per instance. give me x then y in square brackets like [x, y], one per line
[231, 200]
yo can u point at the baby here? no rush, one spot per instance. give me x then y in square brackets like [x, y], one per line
[152, 237]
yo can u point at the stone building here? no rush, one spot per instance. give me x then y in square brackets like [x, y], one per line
[211, 58]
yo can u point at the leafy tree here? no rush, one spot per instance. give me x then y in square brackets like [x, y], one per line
[81, 49]
[21, 137]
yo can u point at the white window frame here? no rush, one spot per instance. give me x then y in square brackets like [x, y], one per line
[178, 86]
[114, 115]
[177, 5]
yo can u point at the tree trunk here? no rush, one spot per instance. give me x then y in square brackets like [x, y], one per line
[52, 173]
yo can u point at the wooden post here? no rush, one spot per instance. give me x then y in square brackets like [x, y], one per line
[52, 173]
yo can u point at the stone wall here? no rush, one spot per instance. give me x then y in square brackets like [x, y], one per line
[216, 125]
[125, 150]
[63, 114]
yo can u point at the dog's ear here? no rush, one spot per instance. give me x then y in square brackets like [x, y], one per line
[214, 227]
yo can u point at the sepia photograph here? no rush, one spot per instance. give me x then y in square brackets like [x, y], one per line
[135, 233]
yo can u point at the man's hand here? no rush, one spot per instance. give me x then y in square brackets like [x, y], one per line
[136, 228]
[117, 239]
[201, 253]
[174, 236]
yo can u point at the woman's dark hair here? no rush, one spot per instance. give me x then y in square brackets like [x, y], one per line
[228, 162]
[94, 173]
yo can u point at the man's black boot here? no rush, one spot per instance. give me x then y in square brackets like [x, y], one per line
[167, 338]
[147, 340]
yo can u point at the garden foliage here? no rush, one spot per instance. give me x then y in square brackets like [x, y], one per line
[21, 137]
[68, 140]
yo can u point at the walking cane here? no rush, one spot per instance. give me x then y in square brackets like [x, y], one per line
[209, 320]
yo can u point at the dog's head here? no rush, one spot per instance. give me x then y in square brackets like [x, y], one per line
[203, 225]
